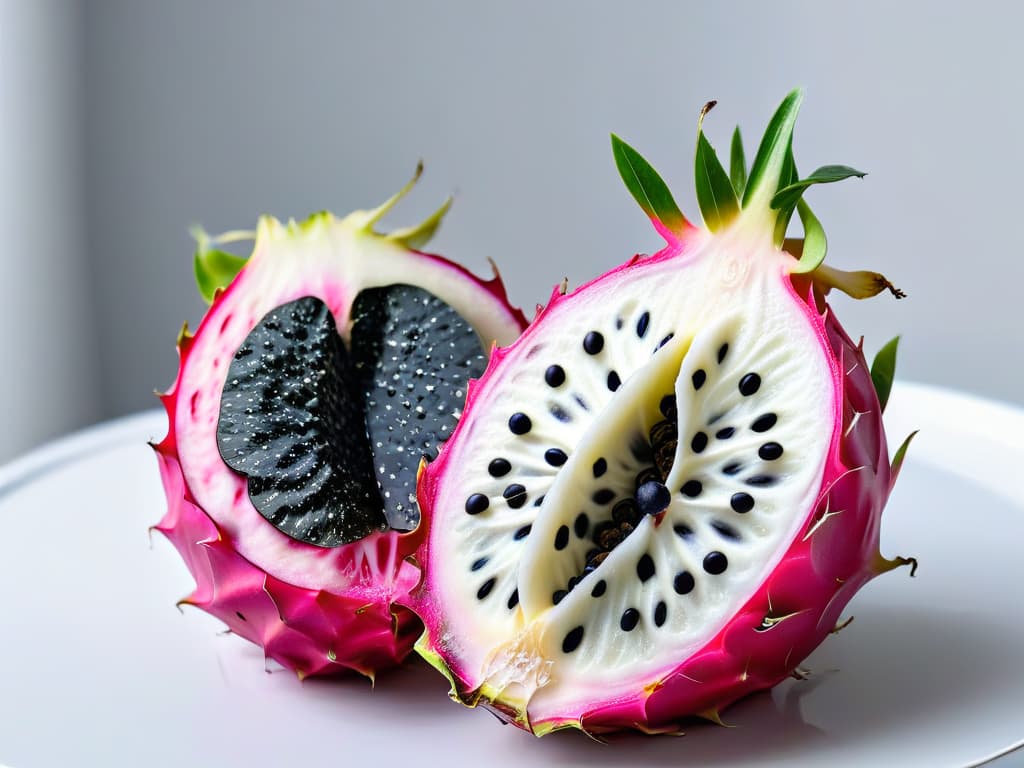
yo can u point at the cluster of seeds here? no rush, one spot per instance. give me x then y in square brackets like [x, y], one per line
[650, 495]
[616, 514]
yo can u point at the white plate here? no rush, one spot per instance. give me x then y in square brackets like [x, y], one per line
[100, 669]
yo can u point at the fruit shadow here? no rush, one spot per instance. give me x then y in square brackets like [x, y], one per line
[415, 688]
[902, 665]
[896, 665]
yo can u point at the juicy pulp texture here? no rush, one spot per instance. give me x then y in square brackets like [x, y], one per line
[313, 608]
[777, 478]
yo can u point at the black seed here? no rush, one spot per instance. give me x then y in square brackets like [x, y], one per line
[692, 488]
[581, 525]
[476, 504]
[478, 564]
[513, 599]
[647, 474]
[560, 413]
[699, 442]
[665, 341]
[725, 434]
[522, 533]
[515, 494]
[770, 451]
[715, 563]
[485, 589]
[741, 502]
[240, 615]
[581, 402]
[722, 352]
[499, 467]
[599, 589]
[664, 457]
[660, 613]
[520, 423]
[614, 382]
[642, 323]
[554, 376]
[603, 495]
[626, 511]
[683, 583]
[608, 537]
[698, 378]
[732, 468]
[618, 323]
[562, 537]
[593, 343]
[764, 423]
[663, 432]
[667, 406]
[762, 481]
[749, 384]
[652, 497]
[683, 531]
[557, 596]
[645, 567]
[725, 530]
[629, 620]
[572, 640]
[600, 467]
[538, 501]
[555, 457]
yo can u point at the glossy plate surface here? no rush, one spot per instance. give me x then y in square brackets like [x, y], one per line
[100, 668]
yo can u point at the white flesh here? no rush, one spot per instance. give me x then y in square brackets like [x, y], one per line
[731, 291]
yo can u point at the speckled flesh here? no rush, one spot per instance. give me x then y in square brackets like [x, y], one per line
[313, 609]
[661, 630]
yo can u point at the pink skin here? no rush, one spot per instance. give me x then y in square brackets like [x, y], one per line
[832, 557]
[314, 631]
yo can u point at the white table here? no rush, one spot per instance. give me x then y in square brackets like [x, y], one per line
[100, 668]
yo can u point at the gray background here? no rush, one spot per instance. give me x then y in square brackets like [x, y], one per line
[125, 122]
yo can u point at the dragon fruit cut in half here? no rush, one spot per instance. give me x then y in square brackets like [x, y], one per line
[333, 362]
[662, 496]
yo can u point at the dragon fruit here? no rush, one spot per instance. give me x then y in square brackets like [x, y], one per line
[333, 361]
[661, 497]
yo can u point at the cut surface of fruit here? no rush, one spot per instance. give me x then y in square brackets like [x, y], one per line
[663, 494]
[324, 371]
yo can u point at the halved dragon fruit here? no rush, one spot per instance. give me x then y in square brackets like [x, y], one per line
[662, 496]
[333, 362]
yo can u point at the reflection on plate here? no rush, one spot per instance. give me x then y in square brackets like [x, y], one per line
[103, 670]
